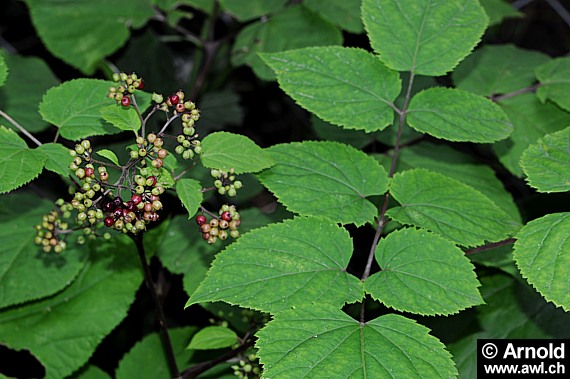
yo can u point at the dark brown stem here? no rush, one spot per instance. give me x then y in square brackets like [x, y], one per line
[518, 92]
[490, 246]
[163, 329]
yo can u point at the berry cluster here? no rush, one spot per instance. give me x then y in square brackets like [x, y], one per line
[150, 148]
[48, 233]
[217, 227]
[127, 86]
[132, 215]
[225, 182]
[247, 367]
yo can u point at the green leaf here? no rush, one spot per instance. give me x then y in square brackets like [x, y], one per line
[323, 81]
[91, 372]
[26, 273]
[190, 193]
[144, 360]
[270, 269]
[223, 150]
[500, 257]
[110, 155]
[106, 22]
[3, 70]
[554, 77]
[344, 13]
[456, 115]
[64, 330]
[74, 107]
[314, 342]
[428, 37]
[294, 28]
[498, 10]
[18, 163]
[531, 120]
[542, 254]
[213, 337]
[423, 273]
[29, 79]
[498, 69]
[58, 158]
[448, 207]
[547, 163]
[245, 10]
[121, 117]
[326, 179]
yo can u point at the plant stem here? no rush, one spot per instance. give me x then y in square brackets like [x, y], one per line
[20, 128]
[490, 246]
[163, 329]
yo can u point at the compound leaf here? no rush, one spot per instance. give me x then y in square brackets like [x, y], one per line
[282, 265]
[456, 115]
[106, 22]
[323, 81]
[542, 254]
[554, 77]
[18, 163]
[423, 273]
[325, 179]
[428, 37]
[313, 342]
[190, 193]
[547, 163]
[448, 207]
[213, 337]
[223, 150]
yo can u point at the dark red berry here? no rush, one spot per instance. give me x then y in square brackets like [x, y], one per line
[227, 216]
[130, 206]
[109, 221]
[89, 172]
[153, 180]
[141, 84]
[174, 99]
[118, 212]
[117, 202]
[201, 220]
[107, 206]
[125, 101]
[136, 198]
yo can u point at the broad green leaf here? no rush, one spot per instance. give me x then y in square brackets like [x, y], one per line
[18, 163]
[64, 330]
[547, 163]
[554, 77]
[464, 352]
[292, 263]
[91, 372]
[29, 79]
[223, 150]
[500, 257]
[58, 158]
[3, 70]
[26, 272]
[498, 10]
[121, 117]
[245, 10]
[344, 13]
[110, 155]
[323, 81]
[74, 107]
[325, 179]
[463, 167]
[106, 22]
[448, 207]
[456, 115]
[145, 359]
[190, 193]
[423, 273]
[213, 337]
[294, 28]
[531, 121]
[427, 37]
[542, 254]
[318, 341]
[498, 69]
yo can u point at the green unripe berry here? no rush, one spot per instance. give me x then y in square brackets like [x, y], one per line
[73, 166]
[198, 150]
[238, 184]
[90, 194]
[86, 186]
[232, 192]
[188, 154]
[107, 236]
[222, 191]
[179, 149]
[123, 76]
[86, 144]
[186, 143]
[131, 88]
[180, 138]
[134, 154]
[80, 173]
[157, 98]
[142, 152]
[116, 77]
[234, 233]
[79, 149]
[73, 153]
[218, 183]
[81, 216]
[189, 131]
[139, 190]
[88, 203]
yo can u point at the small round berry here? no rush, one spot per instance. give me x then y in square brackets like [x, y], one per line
[142, 152]
[180, 138]
[189, 131]
[179, 107]
[141, 86]
[223, 224]
[157, 98]
[89, 172]
[234, 233]
[86, 144]
[157, 163]
[136, 198]
[116, 77]
[188, 154]
[174, 99]
[223, 235]
[151, 181]
[134, 154]
[125, 101]
[162, 153]
[227, 216]
[201, 220]
[79, 149]
[151, 137]
[205, 228]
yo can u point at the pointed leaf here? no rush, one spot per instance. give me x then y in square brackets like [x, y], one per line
[225, 150]
[124, 118]
[456, 115]
[106, 22]
[58, 158]
[213, 337]
[318, 341]
[542, 254]
[292, 263]
[110, 155]
[63, 331]
[423, 273]
[190, 193]
[91, 372]
[18, 163]
[428, 37]
[344, 13]
[547, 163]
[498, 10]
[323, 81]
[448, 207]
[325, 179]
[554, 82]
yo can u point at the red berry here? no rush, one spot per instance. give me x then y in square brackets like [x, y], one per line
[125, 101]
[130, 206]
[141, 84]
[227, 216]
[152, 179]
[180, 108]
[109, 221]
[118, 212]
[107, 206]
[201, 220]
[136, 199]
[174, 99]
[117, 202]
[89, 172]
